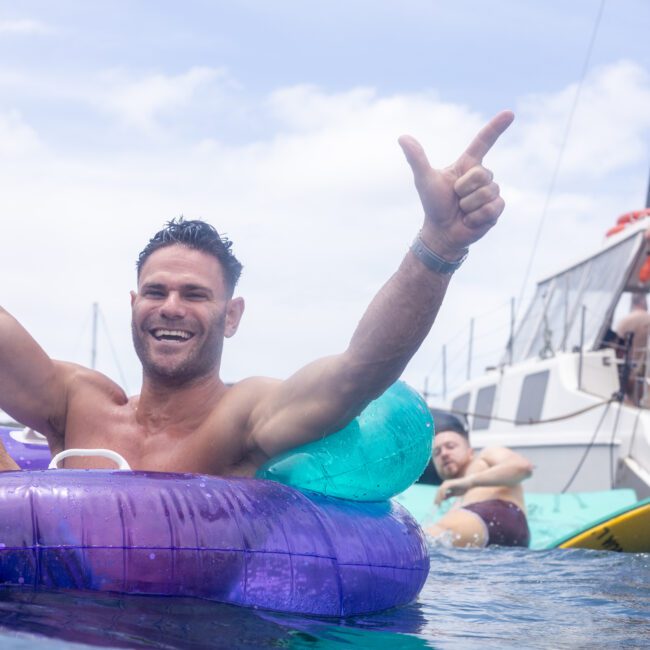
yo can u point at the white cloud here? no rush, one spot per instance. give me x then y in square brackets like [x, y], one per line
[141, 102]
[610, 115]
[321, 213]
[17, 139]
[24, 27]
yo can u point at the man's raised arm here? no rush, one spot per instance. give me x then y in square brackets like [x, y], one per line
[32, 389]
[461, 203]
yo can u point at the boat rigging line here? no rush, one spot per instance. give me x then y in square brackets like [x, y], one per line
[114, 353]
[567, 416]
[565, 138]
[587, 449]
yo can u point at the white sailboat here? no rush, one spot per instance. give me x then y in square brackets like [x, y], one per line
[556, 395]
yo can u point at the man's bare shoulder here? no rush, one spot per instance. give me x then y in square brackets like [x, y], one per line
[78, 378]
[495, 454]
[232, 423]
[87, 397]
[634, 320]
[489, 457]
[247, 396]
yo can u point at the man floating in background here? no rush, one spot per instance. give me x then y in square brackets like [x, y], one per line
[491, 507]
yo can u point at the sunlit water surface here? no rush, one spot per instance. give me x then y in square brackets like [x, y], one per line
[492, 598]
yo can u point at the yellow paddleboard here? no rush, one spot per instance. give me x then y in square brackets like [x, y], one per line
[627, 530]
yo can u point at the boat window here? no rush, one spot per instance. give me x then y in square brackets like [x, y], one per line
[553, 329]
[531, 399]
[554, 319]
[483, 408]
[529, 324]
[603, 282]
[461, 405]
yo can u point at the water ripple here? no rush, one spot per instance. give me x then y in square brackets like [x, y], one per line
[493, 598]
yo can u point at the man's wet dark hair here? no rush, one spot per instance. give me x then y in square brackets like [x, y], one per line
[445, 421]
[200, 236]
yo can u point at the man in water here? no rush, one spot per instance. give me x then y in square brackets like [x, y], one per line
[491, 509]
[185, 418]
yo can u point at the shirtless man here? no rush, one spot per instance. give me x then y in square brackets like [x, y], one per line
[491, 509]
[637, 323]
[185, 418]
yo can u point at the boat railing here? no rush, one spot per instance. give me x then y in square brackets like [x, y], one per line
[634, 370]
[474, 348]
[486, 343]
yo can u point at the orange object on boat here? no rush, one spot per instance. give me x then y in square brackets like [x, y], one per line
[626, 218]
[644, 271]
[614, 229]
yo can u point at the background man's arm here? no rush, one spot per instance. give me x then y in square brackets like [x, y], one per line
[503, 467]
[461, 203]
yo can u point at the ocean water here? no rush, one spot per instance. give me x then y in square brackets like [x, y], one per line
[491, 598]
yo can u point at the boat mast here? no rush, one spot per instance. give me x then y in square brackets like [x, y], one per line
[93, 349]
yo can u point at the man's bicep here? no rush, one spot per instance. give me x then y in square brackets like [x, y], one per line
[39, 403]
[319, 399]
[32, 386]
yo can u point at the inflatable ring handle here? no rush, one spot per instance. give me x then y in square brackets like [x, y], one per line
[28, 436]
[119, 460]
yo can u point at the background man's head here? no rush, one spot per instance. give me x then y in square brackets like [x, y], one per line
[452, 452]
[198, 235]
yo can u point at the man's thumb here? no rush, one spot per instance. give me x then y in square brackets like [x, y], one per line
[415, 155]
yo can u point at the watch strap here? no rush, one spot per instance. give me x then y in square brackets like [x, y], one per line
[433, 261]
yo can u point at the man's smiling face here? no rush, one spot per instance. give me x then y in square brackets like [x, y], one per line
[180, 314]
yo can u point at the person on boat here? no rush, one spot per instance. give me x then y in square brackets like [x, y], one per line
[185, 418]
[637, 324]
[490, 508]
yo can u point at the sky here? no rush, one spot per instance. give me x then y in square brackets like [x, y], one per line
[277, 122]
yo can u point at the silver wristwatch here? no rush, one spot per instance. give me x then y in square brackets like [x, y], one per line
[432, 261]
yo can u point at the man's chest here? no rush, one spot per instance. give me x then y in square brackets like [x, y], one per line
[206, 448]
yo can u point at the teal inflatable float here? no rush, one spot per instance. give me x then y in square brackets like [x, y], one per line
[378, 455]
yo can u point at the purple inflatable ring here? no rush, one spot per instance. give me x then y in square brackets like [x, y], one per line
[241, 541]
[28, 449]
